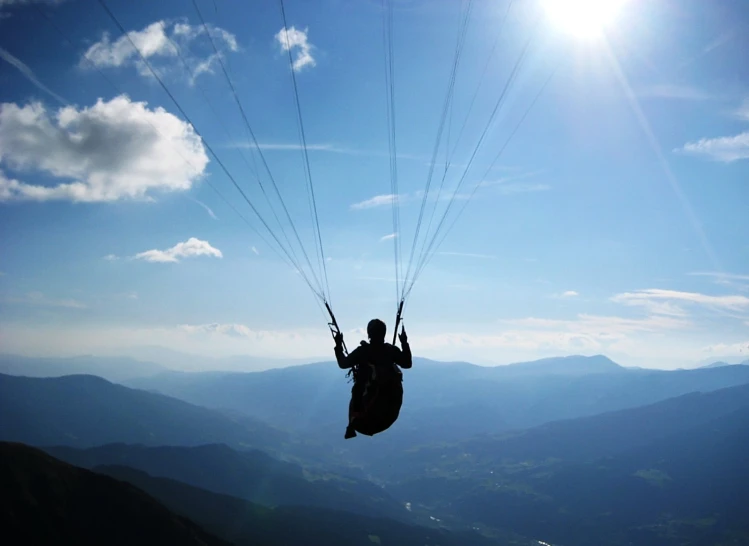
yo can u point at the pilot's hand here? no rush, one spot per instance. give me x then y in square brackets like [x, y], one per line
[403, 336]
[338, 337]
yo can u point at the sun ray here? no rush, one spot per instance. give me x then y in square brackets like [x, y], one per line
[665, 166]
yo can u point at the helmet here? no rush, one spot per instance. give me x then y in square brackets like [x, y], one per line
[376, 330]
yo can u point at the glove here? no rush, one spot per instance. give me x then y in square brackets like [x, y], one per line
[403, 336]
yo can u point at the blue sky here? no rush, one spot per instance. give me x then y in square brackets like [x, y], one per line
[613, 222]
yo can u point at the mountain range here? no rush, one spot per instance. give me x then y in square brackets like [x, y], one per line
[442, 401]
[576, 450]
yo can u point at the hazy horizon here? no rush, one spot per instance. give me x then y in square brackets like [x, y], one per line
[175, 360]
[605, 201]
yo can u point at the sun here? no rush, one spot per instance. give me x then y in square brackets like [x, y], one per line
[583, 18]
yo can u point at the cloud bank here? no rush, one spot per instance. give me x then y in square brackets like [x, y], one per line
[112, 150]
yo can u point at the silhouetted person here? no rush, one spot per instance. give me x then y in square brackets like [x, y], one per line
[377, 394]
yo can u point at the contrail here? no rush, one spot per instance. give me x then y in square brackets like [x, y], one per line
[26, 71]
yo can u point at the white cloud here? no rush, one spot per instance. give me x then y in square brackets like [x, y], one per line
[109, 151]
[151, 41]
[664, 302]
[672, 91]
[255, 250]
[726, 149]
[184, 30]
[289, 38]
[191, 248]
[376, 201]
[388, 237]
[28, 74]
[162, 42]
[569, 294]
[111, 257]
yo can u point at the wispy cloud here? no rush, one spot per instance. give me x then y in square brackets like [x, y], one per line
[205, 207]
[569, 294]
[191, 248]
[674, 92]
[325, 147]
[729, 349]
[388, 237]
[111, 257]
[711, 46]
[721, 275]
[255, 250]
[290, 38]
[373, 202]
[163, 42]
[582, 334]
[502, 188]
[666, 302]
[28, 74]
[725, 149]
[285, 147]
[40, 299]
[511, 178]
[742, 112]
[737, 281]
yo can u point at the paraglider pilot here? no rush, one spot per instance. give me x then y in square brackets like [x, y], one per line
[377, 394]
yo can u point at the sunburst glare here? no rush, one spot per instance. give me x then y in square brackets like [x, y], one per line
[583, 19]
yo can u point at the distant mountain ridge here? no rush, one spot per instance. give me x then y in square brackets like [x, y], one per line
[562, 365]
[85, 411]
[584, 439]
[720, 364]
[110, 368]
[461, 399]
[46, 501]
[646, 457]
